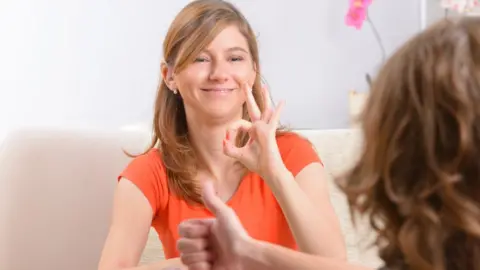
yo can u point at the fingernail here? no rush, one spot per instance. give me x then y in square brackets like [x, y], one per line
[227, 135]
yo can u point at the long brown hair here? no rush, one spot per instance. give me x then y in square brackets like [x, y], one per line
[418, 175]
[197, 24]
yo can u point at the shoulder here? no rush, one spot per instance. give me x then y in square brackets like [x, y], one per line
[290, 139]
[291, 143]
[148, 166]
[297, 151]
[147, 172]
[153, 155]
[151, 160]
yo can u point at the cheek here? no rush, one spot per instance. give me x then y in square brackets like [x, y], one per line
[198, 72]
[190, 77]
[245, 72]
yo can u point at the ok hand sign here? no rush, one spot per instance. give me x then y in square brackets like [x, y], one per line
[260, 154]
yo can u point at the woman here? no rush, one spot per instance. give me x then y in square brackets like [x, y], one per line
[211, 68]
[418, 178]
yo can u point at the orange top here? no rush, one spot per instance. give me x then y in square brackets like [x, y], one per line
[253, 201]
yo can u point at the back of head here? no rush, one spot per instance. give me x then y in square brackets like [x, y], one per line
[418, 177]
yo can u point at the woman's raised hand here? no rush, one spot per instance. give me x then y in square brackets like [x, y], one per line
[260, 154]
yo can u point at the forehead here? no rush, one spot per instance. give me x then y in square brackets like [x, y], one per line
[230, 37]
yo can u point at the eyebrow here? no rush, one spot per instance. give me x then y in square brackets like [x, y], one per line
[237, 49]
[232, 49]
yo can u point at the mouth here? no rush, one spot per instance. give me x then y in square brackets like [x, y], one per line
[218, 90]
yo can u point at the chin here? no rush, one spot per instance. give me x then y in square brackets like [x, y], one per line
[223, 113]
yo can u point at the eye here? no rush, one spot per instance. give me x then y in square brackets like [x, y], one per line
[236, 58]
[201, 59]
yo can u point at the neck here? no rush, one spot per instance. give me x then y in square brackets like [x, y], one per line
[207, 140]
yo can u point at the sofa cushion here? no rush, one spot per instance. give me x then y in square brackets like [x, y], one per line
[339, 149]
[58, 191]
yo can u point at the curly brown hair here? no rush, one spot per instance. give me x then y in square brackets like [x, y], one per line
[418, 174]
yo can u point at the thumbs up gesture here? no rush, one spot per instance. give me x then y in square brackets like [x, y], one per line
[212, 244]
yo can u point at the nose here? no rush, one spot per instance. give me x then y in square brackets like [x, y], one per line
[219, 71]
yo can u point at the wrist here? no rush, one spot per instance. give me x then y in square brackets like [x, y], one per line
[277, 178]
[249, 253]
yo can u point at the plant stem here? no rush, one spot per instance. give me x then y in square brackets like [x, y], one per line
[377, 37]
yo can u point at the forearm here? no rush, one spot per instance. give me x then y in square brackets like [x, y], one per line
[264, 256]
[316, 230]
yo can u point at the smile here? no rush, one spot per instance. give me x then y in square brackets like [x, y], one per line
[218, 90]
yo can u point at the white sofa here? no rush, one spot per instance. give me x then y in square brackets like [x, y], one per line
[56, 190]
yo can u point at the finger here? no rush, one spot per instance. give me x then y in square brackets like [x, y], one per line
[267, 111]
[267, 115]
[187, 245]
[233, 129]
[212, 201]
[275, 119]
[233, 151]
[231, 136]
[205, 256]
[252, 106]
[241, 124]
[195, 228]
[199, 221]
[200, 266]
[229, 145]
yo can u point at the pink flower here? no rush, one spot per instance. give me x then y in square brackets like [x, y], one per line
[355, 17]
[360, 3]
[357, 13]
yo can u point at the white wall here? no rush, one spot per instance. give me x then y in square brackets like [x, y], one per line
[433, 11]
[96, 62]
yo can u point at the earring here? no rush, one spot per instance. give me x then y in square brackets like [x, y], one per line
[175, 91]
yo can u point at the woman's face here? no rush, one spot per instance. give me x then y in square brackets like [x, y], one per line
[210, 86]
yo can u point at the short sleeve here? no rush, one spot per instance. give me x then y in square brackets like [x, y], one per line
[297, 152]
[148, 174]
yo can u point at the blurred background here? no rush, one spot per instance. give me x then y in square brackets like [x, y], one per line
[95, 63]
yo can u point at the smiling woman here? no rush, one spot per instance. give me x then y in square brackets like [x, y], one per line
[205, 85]
[209, 96]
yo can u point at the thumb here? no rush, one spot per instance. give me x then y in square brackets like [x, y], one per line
[212, 201]
[233, 151]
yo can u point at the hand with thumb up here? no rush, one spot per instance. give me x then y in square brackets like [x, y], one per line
[212, 244]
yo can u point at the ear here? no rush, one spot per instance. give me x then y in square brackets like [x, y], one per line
[167, 75]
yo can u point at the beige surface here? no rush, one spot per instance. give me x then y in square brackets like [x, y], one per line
[58, 188]
[356, 102]
[57, 195]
